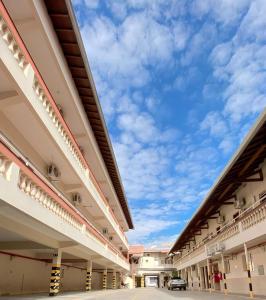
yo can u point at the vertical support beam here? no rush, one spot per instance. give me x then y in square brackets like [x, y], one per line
[209, 275]
[55, 273]
[88, 276]
[224, 275]
[114, 280]
[105, 278]
[133, 281]
[142, 283]
[199, 277]
[186, 277]
[251, 294]
[120, 280]
[212, 276]
[191, 277]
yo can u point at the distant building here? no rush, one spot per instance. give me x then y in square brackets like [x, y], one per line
[149, 267]
[63, 210]
[223, 247]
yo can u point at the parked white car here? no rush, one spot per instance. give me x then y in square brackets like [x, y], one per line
[177, 283]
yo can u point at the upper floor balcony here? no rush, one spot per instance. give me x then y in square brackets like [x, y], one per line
[23, 92]
[30, 203]
[248, 226]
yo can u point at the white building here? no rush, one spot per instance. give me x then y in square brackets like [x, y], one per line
[63, 213]
[149, 267]
[223, 247]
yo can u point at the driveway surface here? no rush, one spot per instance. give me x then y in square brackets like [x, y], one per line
[135, 294]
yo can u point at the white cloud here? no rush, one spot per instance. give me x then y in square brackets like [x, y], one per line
[92, 4]
[226, 12]
[215, 124]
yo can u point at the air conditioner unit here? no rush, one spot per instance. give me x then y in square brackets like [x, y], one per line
[221, 219]
[239, 204]
[76, 198]
[210, 252]
[53, 172]
[220, 247]
[105, 231]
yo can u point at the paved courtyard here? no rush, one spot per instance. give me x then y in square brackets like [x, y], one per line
[136, 294]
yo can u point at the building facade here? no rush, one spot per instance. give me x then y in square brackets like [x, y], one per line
[223, 247]
[149, 267]
[63, 211]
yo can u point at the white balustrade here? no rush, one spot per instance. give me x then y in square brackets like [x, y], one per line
[12, 44]
[255, 217]
[37, 193]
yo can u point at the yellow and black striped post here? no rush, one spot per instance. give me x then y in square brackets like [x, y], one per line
[199, 277]
[55, 273]
[209, 275]
[88, 276]
[114, 280]
[105, 279]
[142, 281]
[250, 288]
[224, 275]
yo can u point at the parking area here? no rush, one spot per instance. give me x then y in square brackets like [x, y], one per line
[135, 294]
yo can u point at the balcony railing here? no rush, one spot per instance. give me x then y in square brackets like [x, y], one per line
[10, 35]
[253, 215]
[36, 188]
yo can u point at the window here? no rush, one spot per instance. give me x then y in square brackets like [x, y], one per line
[261, 269]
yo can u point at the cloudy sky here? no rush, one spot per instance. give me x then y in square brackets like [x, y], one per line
[180, 83]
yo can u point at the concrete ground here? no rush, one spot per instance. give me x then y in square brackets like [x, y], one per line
[135, 294]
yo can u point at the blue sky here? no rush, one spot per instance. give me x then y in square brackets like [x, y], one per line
[180, 83]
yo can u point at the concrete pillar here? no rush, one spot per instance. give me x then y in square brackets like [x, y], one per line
[212, 277]
[209, 275]
[133, 281]
[142, 283]
[55, 273]
[114, 280]
[199, 277]
[191, 277]
[250, 288]
[88, 276]
[105, 278]
[224, 275]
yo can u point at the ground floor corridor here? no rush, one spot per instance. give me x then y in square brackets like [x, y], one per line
[136, 294]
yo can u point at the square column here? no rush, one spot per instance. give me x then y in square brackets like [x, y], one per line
[142, 281]
[114, 280]
[199, 277]
[191, 277]
[209, 275]
[105, 279]
[88, 276]
[250, 288]
[55, 273]
[224, 275]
